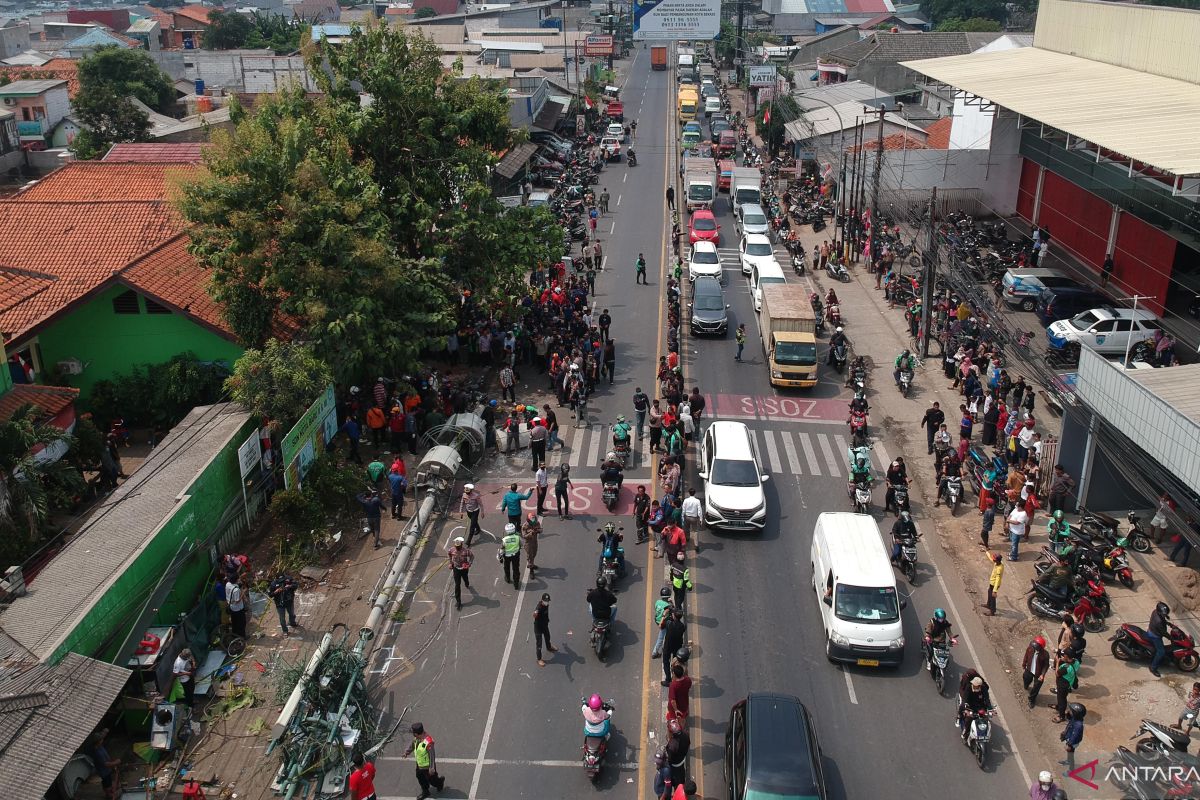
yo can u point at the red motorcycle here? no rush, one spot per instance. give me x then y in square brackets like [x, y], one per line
[1131, 643]
[1081, 602]
[858, 428]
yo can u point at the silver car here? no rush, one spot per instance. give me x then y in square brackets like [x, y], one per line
[752, 219]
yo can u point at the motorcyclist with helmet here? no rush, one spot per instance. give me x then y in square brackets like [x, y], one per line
[937, 631]
[602, 602]
[596, 714]
[951, 467]
[837, 339]
[610, 547]
[860, 471]
[620, 432]
[1044, 787]
[1059, 531]
[859, 404]
[611, 470]
[632, 158]
[903, 530]
[858, 368]
[974, 696]
[1072, 735]
[1159, 627]
[904, 363]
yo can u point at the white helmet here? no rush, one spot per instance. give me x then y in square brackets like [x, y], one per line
[510, 528]
[353, 390]
[459, 540]
[469, 487]
[611, 455]
[1045, 777]
[839, 328]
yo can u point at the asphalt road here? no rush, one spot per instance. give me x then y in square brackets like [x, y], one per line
[506, 728]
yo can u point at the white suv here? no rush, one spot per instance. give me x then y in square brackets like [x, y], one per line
[755, 250]
[704, 261]
[733, 481]
[1106, 330]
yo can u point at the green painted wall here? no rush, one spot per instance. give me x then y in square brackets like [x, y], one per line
[111, 344]
[102, 630]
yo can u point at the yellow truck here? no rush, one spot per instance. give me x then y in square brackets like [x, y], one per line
[688, 102]
[789, 339]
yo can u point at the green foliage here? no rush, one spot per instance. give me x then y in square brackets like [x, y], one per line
[107, 79]
[363, 222]
[325, 500]
[783, 111]
[158, 395]
[972, 25]
[227, 30]
[424, 13]
[27, 485]
[278, 382]
[126, 73]
[941, 10]
[89, 443]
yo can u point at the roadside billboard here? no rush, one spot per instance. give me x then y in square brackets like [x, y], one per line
[676, 19]
[598, 45]
[763, 75]
[308, 437]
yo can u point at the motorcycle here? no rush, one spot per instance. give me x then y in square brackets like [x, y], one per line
[860, 495]
[839, 357]
[900, 497]
[833, 312]
[906, 377]
[609, 495]
[1161, 740]
[1103, 528]
[953, 493]
[1050, 604]
[1113, 566]
[979, 733]
[836, 271]
[858, 428]
[908, 561]
[858, 380]
[1131, 643]
[598, 636]
[941, 658]
[622, 450]
[632, 159]
[798, 262]
[595, 747]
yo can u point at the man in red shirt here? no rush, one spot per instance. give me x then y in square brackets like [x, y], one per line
[679, 693]
[362, 779]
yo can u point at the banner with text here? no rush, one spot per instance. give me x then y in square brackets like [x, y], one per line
[308, 438]
[676, 19]
[598, 45]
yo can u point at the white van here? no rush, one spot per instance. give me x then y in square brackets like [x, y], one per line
[856, 591]
[764, 273]
[712, 105]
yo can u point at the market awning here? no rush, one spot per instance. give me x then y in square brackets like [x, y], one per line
[515, 158]
[46, 715]
[1139, 115]
[548, 117]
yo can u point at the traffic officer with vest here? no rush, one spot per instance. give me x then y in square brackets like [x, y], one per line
[422, 750]
[510, 555]
[681, 580]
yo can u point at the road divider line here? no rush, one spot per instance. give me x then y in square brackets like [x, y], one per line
[850, 686]
[773, 452]
[495, 705]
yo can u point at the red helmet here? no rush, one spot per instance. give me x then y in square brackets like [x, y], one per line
[1040, 641]
[595, 703]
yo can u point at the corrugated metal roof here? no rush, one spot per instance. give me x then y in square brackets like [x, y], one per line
[511, 47]
[515, 158]
[121, 529]
[46, 715]
[843, 116]
[835, 93]
[1175, 386]
[1145, 117]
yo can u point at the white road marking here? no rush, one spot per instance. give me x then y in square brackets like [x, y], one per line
[810, 455]
[773, 452]
[598, 438]
[850, 686]
[577, 447]
[492, 709]
[619, 199]
[789, 449]
[831, 460]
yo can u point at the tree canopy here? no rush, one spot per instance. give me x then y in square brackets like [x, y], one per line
[942, 10]
[227, 30]
[363, 220]
[279, 381]
[231, 30]
[972, 25]
[107, 79]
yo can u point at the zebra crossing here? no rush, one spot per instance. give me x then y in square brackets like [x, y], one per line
[782, 452]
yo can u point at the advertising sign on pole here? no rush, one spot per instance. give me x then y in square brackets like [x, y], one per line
[763, 75]
[308, 437]
[249, 454]
[598, 44]
[676, 19]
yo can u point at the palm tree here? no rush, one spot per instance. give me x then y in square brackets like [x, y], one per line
[24, 499]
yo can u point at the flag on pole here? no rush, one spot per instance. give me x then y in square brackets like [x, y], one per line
[767, 116]
[587, 101]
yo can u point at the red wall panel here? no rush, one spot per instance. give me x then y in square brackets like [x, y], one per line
[1143, 260]
[1027, 190]
[1077, 219]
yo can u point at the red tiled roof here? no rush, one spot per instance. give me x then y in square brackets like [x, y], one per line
[171, 275]
[50, 399]
[895, 141]
[80, 244]
[937, 135]
[156, 152]
[197, 13]
[63, 69]
[96, 181]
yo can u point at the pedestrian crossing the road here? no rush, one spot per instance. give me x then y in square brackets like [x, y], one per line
[782, 452]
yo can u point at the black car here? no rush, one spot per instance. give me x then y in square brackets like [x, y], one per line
[708, 307]
[1065, 302]
[771, 750]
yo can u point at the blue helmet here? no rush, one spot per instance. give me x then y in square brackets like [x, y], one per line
[493, 403]
[939, 615]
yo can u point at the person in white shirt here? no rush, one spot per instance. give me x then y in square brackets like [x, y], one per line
[693, 516]
[1018, 520]
[1024, 440]
[184, 671]
[542, 480]
[237, 608]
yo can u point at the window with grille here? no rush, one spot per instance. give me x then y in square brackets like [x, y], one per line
[126, 303]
